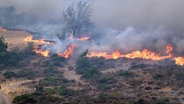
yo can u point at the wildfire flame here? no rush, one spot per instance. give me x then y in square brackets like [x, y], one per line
[144, 54]
[169, 48]
[38, 41]
[83, 38]
[79, 39]
[46, 53]
[41, 52]
[68, 52]
[179, 61]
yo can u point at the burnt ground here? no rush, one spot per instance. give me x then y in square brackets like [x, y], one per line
[91, 80]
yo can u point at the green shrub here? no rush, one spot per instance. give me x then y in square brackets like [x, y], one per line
[88, 74]
[13, 57]
[58, 61]
[9, 74]
[50, 71]
[65, 91]
[83, 65]
[53, 80]
[139, 66]
[179, 75]
[8, 58]
[105, 79]
[25, 74]
[37, 98]
[126, 74]
[3, 51]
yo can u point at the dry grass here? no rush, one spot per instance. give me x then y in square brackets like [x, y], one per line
[15, 38]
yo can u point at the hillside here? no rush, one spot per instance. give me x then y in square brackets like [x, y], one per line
[37, 79]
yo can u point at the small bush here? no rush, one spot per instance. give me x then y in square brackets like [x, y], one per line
[51, 72]
[91, 74]
[139, 66]
[65, 91]
[105, 79]
[9, 74]
[25, 74]
[126, 74]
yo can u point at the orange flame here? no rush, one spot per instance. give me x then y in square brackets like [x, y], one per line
[83, 38]
[144, 54]
[169, 48]
[68, 52]
[79, 39]
[41, 52]
[179, 61]
[39, 41]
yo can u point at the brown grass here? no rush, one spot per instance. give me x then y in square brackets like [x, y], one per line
[15, 38]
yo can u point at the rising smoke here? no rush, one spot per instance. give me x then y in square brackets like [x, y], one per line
[124, 24]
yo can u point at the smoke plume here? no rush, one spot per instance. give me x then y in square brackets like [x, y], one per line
[124, 24]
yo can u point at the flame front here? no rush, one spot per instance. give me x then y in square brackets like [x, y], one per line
[83, 38]
[179, 61]
[144, 54]
[38, 41]
[68, 52]
[41, 52]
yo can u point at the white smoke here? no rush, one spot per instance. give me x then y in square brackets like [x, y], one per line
[134, 24]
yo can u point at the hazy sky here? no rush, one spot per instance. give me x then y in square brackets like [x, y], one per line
[115, 13]
[154, 22]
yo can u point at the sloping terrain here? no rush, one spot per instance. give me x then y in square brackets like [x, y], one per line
[15, 38]
[52, 80]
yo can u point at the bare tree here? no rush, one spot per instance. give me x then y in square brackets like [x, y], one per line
[77, 19]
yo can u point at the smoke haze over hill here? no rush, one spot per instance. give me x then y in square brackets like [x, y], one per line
[155, 22]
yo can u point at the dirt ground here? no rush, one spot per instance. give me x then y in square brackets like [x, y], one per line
[14, 38]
